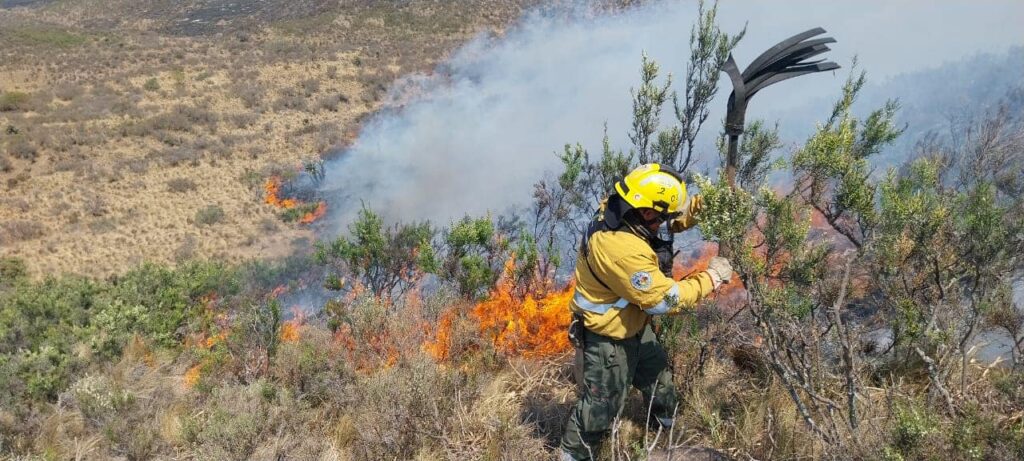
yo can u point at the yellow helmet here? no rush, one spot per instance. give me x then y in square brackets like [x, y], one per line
[653, 186]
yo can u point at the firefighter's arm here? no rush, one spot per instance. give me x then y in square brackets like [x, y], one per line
[640, 282]
[689, 217]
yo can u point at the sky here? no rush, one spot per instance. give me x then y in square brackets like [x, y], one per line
[474, 135]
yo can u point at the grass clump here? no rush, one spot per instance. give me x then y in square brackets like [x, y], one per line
[181, 185]
[44, 36]
[151, 85]
[209, 215]
[13, 101]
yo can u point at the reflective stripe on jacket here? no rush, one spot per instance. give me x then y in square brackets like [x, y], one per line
[636, 288]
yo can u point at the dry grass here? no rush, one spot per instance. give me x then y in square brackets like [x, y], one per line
[368, 391]
[91, 113]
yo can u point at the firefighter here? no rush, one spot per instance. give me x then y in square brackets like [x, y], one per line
[623, 277]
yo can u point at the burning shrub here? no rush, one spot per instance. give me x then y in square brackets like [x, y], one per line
[531, 327]
[312, 368]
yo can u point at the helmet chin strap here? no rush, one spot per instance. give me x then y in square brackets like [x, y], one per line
[638, 225]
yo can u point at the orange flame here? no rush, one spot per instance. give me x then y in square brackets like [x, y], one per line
[321, 209]
[272, 196]
[440, 347]
[278, 291]
[192, 376]
[215, 339]
[531, 327]
[271, 189]
[289, 331]
[373, 353]
[729, 295]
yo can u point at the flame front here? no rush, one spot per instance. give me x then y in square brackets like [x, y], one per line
[192, 376]
[531, 327]
[272, 196]
[271, 189]
[729, 295]
[321, 209]
[289, 331]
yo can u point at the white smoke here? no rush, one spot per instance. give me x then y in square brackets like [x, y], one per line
[478, 133]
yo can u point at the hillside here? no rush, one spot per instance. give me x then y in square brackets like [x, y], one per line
[146, 131]
[348, 231]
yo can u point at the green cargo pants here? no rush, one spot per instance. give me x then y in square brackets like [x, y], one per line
[610, 366]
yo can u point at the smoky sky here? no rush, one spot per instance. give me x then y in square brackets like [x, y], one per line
[476, 134]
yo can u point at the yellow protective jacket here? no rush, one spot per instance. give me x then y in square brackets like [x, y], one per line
[635, 289]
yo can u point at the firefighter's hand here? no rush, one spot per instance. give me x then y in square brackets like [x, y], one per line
[720, 271]
[696, 205]
[690, 216]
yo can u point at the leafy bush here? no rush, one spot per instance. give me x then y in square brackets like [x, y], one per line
[471, 255]
[386, 259]
[43, 324]
[151, 85]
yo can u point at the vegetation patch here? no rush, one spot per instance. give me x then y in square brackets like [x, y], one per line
[13, 101]
[209, 215]
[42, 35]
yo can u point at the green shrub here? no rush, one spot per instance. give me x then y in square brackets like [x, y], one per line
[209, 215]
[168, 295]
[46, 35]
[11, 270]
[913, 425]
[151, 85]
[385, 258]
[13, 100]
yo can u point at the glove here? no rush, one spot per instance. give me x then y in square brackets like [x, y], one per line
[696, 204]
[720, 271]
[689, 217]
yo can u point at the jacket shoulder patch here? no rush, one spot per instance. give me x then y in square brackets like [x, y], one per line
[641, 280]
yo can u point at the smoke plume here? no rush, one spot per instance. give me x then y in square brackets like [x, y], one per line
[476, 134]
